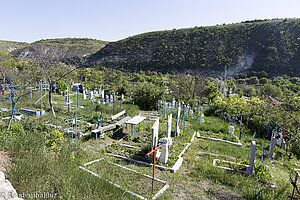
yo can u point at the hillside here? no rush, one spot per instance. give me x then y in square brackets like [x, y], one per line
[63, 49]
[10, 46]
[269, 45]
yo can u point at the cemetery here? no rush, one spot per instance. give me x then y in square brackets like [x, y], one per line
[132, 145]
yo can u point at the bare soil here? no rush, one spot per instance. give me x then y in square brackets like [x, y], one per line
[5, 161]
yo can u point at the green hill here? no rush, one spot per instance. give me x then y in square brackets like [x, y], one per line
[10, 46]
[62, 49]
[269, 45]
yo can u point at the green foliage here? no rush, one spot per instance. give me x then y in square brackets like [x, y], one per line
[54, 140]
[211, 92]
[61, 86]
[272, 90]
[147, 95]
[249, 91]
[263, 81]
[262, 173]
[210, 48]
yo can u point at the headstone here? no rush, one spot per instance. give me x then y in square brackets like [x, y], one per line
[252, 158]
[173, 103]
[98, 102]
[102, 94]
[198, 115]
[122, 96]
[84, 94]
[177, 121]
[191, 113]
[169, 128]
[155, 132]
[164, 153]
[272, 145]
[202, 119]
[231, 130]
[91, 95]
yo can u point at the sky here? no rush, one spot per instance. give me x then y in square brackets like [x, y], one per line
[111, 20]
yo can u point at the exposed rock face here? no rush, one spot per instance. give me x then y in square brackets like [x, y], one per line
[7, 191]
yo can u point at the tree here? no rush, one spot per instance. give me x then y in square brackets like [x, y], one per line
[249, 91]
[49, 60]
[272, 90]
[263, 81]
[188, 87]
[147, 95]
[253, 80]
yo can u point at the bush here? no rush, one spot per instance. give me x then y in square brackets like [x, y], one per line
[54, 139]
[147, 96]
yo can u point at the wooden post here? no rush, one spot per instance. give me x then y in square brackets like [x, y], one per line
[154, 150]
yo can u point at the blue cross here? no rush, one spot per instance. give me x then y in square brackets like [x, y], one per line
[269, 126]
[12, 94]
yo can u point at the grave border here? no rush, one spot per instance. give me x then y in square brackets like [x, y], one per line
[173, 169]
[165, 187]
[221, 140]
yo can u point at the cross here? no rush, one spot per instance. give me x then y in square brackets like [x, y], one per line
[269, 126]
[154, 150]
[45, 88]
[74, 121]
[30, 91]
[12, 94]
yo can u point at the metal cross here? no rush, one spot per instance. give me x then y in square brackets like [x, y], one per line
[154, 150]
[12, 94]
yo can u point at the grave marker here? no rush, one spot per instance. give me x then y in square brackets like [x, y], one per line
[155, 133]
[12, 94]
[43, 87]
[164, 153]
[252, 158]
[177, 130]
[272, 145]
[154, 150]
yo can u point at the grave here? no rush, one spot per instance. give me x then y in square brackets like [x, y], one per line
[243, 168]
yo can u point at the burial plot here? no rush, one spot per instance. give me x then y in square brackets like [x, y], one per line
[238, 167]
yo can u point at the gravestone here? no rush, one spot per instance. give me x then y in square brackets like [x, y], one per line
[173, 103]
[231, 130]
[178, 121]
[91, 95]
[191, 113]
[84, 94]
[198, 115]
[164, 153]
[169, 128]
[250, 168]
[102, 94]
[202, 119]
[155, 133]
[272, 145]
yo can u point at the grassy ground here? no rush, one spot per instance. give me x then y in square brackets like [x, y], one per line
[36, 168]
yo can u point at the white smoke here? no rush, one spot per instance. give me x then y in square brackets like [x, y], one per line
[245, 63]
